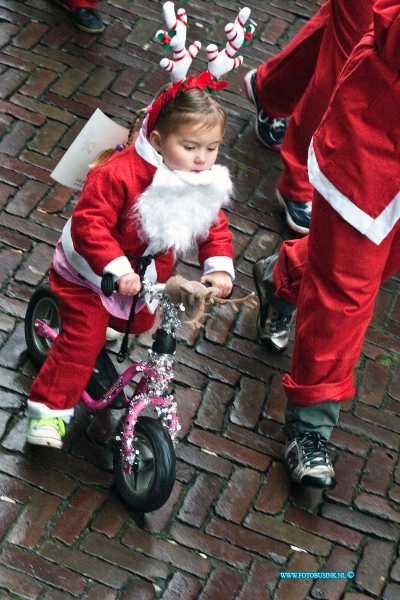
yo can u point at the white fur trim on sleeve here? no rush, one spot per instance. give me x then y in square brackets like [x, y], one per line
[37, 410]
[219, 263]
[118, 267]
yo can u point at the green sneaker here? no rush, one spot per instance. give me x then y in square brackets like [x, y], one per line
[46, 432]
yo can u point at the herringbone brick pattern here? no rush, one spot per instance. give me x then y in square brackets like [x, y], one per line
[233, 522]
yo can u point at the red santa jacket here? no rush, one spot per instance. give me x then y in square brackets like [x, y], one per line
[103, 232]
[354, 158]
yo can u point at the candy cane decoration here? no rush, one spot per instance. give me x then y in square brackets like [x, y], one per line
[223, 61]
[175, 38]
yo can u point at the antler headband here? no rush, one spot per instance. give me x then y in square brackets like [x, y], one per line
[219, 63]
[175, 38]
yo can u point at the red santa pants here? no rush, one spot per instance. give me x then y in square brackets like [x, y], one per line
[333, 276]
[300, 80]
[73, 4]
[283, 79]
[69, 365]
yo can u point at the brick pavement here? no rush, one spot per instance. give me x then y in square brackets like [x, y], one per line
[232, 522]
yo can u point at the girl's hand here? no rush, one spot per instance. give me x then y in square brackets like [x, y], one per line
[221, 280]
[129, 284]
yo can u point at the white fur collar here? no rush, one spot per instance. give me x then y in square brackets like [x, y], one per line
[178, 208]
[146, 150]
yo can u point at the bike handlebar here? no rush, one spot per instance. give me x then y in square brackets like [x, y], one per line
[108, 286]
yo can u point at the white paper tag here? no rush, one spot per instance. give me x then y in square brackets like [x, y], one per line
[98, 134]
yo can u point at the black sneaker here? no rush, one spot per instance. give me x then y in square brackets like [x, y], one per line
[307, 461]
[88, 19]
[269, 131]
[298, 214]
[275, 315]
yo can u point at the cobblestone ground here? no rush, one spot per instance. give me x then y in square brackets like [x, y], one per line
[233, 523]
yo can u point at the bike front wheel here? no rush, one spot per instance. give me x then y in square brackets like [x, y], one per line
[149, 484]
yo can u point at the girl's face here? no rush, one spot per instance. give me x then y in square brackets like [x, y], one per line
[190, 148]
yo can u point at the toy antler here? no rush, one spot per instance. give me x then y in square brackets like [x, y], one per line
[175, 38]
[197, 299]
[207, 301]
[223, 61]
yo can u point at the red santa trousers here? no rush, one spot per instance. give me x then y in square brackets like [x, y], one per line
[333, 276]
[69, 365]
[73, 4]
[300, 80]
[283, 79]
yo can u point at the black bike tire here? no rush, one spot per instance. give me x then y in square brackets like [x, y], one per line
[164, 469]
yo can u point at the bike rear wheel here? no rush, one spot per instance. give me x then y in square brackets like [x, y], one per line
[150, 483]
[43, 305]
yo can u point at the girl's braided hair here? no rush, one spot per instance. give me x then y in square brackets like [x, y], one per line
[192, 107]
[105, 155]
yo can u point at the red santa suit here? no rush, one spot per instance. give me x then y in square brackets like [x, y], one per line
[74, 4]
[299, 82]
[334, 274]
[131, 206]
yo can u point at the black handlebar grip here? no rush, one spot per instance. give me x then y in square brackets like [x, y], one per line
[107, 284]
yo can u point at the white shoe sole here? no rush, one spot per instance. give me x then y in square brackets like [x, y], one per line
[289, 220]
[249, 93]
[44, 441]
[247, 87]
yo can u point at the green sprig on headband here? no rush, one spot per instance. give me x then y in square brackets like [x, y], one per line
[166, 37]
[248, 34]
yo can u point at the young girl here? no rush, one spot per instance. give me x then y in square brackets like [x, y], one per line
[156, 196]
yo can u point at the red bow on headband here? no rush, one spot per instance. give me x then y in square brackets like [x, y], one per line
[205, 81]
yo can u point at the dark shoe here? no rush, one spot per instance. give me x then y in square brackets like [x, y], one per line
[88, 19]
[269, 131]
[307, 461]
[298, 214]
[275, 315]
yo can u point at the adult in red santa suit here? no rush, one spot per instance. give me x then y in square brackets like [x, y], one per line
[84, 15]
[156, 196]
[299, 82]
[333, 275]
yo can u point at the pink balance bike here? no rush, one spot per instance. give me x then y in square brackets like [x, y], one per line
[144, 460]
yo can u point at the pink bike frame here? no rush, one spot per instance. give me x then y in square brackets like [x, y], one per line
[139, 401]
